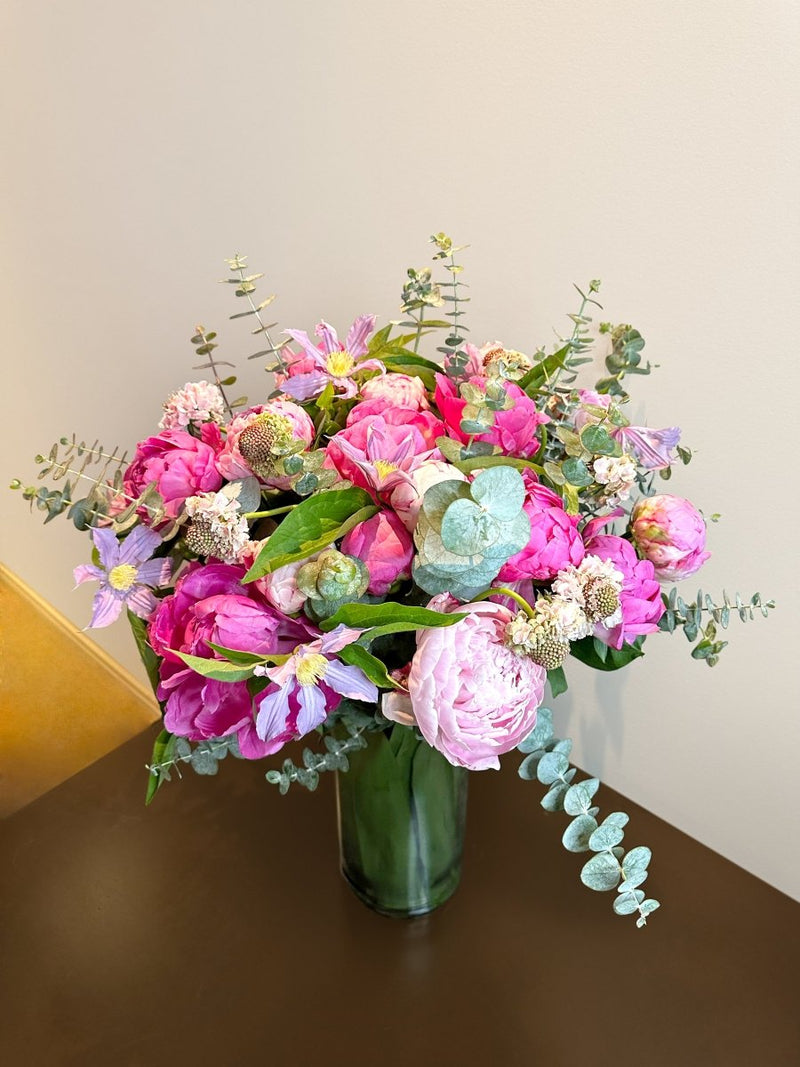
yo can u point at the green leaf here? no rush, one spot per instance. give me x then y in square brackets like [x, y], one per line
[244, 659]
[366, 616]
[162, 753]
[579, 832]
[148, 656]
[500, 490]
[467, 529]
[311, 526]
[629, 903]
[596, 439]
[606, 837]
[579, 797]
[557, 680]
[551, 767]
[358, 656]
[576, 472]
[636, 860]
[544, 369]
[594, 653]
[218, 669]
[601, 872]
[481, 462]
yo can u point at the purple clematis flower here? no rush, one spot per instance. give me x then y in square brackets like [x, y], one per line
[126, 574]
[652, 448]
[308, 686]
[331, 361]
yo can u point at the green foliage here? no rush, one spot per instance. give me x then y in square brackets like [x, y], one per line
[594, 653]
[625, 358]
[563, 364]
[611, 867]
[378, 616]
[148, 657]
[245, 288]
[690, 616]
[466, 531]
[311, 526]
[169, 752]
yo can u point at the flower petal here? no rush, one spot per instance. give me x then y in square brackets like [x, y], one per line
[350, 682]
[308, 346]
[141, 601]
[273, 712]
[356, 343]
[139, 545]
[329, 339]
[312, 708]
[303, 386]
[107, 545]
[87, 572]
[336, 639]
[106, 608]
[154, 572]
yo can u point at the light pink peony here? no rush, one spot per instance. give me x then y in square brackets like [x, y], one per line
[471, 697]
[232, 464]
[383, 544]
[555, 542]
[406, 497]
[180, 465]
[670, 532]
[397, 390]
[278, 587]
[514, 431]
[640, 599]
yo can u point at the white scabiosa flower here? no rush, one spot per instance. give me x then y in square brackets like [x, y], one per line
[196, 403]
[217, 527]
[617, 474]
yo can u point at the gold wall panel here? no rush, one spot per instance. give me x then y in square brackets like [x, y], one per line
[63, 701]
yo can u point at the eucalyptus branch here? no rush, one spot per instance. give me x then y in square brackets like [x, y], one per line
[245, 287]
[315, 763]
[454, 354]
[611, 867]
[690, 617]
[205, 345]
[578, 342]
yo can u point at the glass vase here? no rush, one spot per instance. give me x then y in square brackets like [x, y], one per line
[401, 809]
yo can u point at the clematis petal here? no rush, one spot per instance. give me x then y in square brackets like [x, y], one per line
[350, 682]
[651, 447]
[141, 601]
[312, 708]
[107, 545]
[87, 572]
[106, 608]
[336, 639]
[329, 339]
[308, 346]
[356, 343]
[303, 386]
[139, 545]
[154, 572]
[273, 712]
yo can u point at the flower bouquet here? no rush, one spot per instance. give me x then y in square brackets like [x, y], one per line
[392, 558]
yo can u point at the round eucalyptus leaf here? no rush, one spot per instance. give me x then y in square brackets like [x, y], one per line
[605, 837]
[554, 797]
[577, 834]
[579, 797]
[629, 903]
[576, 472]
[601, 872]
[596, 439]
[501, 491]
[551, 767]
[441, 495]
[467, 529]
[636, 860]
[650, 905]
[527, 769]
[616, 818]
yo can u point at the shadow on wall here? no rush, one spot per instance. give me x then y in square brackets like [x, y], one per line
[64, 703]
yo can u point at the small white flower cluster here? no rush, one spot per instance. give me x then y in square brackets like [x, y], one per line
[217, 528]
[582, 597]
[196, 403]
[617, 474]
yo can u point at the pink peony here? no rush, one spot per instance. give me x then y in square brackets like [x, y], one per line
[211, 604]
[555, 542]
[181, 466]
[514, 431]
[471, 696]
[670, 532]
[232, 464]
[397, 390]
[405, 433]
[279, 587]
[640, 599]
[383, 544]
[406, 497]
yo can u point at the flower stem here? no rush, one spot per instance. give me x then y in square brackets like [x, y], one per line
[266, 514]
[502, 590]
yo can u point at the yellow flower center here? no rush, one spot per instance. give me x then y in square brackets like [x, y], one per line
[340, 364]
[384, 467]
[310, 668]
[122, 577]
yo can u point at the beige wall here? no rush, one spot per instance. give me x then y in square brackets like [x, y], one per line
[653, 145]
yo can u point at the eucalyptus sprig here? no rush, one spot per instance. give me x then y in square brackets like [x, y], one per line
[625, 358]
[245, 287]
[690, 617]
[205, 344]
[455, 356]
[611, 867]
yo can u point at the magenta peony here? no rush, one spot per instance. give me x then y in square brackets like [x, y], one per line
[640, 599]
[180, 465]
[671, 533]
[471, 696]
[514, 431]
[555, 542]
[384, 545]
[211, 604]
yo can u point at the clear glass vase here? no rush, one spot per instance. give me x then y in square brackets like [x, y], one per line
[401, 809]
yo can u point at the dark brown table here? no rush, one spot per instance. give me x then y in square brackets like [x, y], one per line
[214, 928]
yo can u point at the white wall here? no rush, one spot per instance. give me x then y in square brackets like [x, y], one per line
[653, 145]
